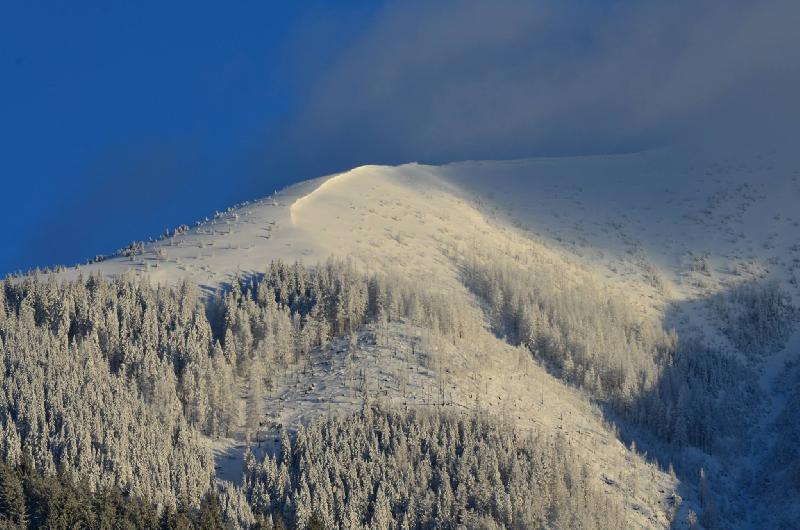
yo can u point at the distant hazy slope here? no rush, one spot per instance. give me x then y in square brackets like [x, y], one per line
[655, 207]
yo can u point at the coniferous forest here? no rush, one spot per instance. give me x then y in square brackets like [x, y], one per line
[111, 390]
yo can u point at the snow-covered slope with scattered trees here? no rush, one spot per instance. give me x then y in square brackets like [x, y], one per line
[635, 312]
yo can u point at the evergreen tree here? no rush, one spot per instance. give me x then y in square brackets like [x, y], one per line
[12, 498]
[210, 517]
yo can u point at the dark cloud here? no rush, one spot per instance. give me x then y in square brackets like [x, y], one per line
[437, 81]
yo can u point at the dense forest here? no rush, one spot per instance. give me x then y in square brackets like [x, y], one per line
[382, 469]
[111, 389]
[31, 500]
[116, 382]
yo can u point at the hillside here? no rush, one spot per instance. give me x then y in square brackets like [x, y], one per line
[608, 300]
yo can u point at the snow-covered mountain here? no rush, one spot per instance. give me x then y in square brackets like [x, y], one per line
[649, 242]
[651, 212]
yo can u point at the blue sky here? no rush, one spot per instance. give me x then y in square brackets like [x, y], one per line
[119, 120]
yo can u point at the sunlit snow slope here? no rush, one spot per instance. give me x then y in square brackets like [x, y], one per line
[629, 216]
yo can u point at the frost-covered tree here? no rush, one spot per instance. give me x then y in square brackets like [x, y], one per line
[387, 469]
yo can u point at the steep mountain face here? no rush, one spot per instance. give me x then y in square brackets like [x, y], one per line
[640, 309]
